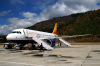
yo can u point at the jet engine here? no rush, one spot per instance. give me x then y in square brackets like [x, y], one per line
[51, 42]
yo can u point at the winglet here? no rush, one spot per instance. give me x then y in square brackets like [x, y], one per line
[55, 29]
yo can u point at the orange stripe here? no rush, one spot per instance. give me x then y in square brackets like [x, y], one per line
[55, 29]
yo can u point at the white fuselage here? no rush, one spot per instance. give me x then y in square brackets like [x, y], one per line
[21, 35]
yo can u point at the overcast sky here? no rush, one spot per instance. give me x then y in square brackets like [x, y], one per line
[24, 13]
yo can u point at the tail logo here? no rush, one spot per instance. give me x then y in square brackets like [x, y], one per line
[55, 29]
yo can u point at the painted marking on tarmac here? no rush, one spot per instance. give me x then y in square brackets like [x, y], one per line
[21, 63]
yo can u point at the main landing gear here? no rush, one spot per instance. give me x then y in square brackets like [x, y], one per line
[19, 47]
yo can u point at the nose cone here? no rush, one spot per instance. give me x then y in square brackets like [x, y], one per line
[8, 37]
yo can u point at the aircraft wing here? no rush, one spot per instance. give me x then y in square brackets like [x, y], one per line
[64, 36]
[57, 37]
[75, 36]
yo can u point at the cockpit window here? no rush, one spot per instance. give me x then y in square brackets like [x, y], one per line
[16, 32]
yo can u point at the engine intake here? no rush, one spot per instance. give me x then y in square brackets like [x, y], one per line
[51, 42]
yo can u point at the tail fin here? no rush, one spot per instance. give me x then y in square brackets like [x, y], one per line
[55, 29]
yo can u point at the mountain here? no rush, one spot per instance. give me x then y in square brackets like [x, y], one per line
[59, 20]
[3, 39]
[87, 23]
[75, 24]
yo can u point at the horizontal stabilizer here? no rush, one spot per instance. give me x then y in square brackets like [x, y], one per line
[65, 42]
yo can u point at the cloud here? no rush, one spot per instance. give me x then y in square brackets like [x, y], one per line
[56, 11]
[29, 20]
[33, 17]
[19, 23]
[86, 3]
[3, 13]
[67, 7]
[29, 14]
[60, 8]
[15, 23]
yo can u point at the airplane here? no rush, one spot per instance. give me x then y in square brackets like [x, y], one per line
[24, 36]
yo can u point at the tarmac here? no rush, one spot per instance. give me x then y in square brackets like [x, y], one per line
[76, 55]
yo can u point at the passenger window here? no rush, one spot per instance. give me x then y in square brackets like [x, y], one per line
[14, 32]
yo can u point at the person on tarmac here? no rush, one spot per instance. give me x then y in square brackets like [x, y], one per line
[41, 47]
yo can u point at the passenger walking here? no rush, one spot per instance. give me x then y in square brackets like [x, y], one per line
[41, 47]
[60, 44]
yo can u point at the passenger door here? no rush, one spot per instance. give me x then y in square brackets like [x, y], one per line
[25, 33]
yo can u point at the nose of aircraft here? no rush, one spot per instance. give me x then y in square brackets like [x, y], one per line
[8, 37]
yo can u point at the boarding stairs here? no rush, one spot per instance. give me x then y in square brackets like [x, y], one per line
[40, 41]
[65, 42]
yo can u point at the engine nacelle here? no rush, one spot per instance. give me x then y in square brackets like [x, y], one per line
[51, 42]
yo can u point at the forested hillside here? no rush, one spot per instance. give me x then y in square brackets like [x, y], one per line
[87, 23]
[49, 23]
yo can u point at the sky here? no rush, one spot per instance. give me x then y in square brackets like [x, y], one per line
[24, 13]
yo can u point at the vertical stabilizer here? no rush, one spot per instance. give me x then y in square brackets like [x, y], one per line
[55, 29]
